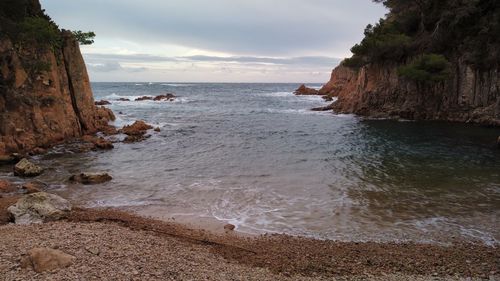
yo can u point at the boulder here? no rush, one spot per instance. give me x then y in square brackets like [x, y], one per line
[25, 168]
[305, 91]
[46, 259]
[7, 187]
[132, 139]
[90, 178]
[39, 207]
[34, 187]
[123, 99]
[139, 128]
[157, 129]
[168, 96]
[229, 227]
[102, 102]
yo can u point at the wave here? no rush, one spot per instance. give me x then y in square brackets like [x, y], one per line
[278, 94]
[176, 85]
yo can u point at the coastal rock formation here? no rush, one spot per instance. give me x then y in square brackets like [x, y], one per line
[27, 169]
[167, 96]
[98, 142]
[139, 128]
[378, 91]
[45, 94]
[89, 178]
[46, 259]
[305, 91]
[39, 207]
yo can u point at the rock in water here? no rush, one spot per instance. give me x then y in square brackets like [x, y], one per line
[7, 187]
[88, 178]
[102, 102]
[46, 259]
[25, 168]
[39, 207]
[229, 227]
[305, 91]
[34, 187]
[139, 128]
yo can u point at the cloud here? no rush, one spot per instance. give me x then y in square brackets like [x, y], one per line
[112, 66]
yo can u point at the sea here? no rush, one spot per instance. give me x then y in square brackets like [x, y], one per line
[256, 156]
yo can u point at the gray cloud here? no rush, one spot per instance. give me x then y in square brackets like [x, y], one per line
[243, 27]
[144, 58]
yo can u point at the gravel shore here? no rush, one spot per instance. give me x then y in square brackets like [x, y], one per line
[113, 245]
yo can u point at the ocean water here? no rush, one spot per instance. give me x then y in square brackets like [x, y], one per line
[254, 155]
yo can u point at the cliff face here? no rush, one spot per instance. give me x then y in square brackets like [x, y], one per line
[378, 91]
[47, 106]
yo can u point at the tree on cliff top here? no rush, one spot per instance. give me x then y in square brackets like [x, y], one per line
[84, 38]
[451, 28]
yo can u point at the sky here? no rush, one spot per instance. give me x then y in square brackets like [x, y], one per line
[217, 40]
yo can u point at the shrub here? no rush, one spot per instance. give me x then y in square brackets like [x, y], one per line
[84, 38]
[40, 31]
[427, 68]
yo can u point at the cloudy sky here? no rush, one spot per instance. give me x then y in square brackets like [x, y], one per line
[216, 40]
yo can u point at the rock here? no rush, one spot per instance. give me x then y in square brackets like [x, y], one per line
[132, 139]
[229, 227]
[98, 142]
[39, 207]
[7, 187]
[305, 91]
[34, 187]
[137, 129]
[25, 168]
[102, 102]
[143, 98]
[123, 99]
[323, 108]
[168, 96]
[157, 129]
[38, 151]
[328, 98]
[10, 159]
[90, 178]
[46, 259]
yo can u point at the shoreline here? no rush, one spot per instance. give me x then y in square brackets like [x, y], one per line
[280, 256]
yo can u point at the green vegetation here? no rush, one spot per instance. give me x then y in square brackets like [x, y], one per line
[40, 31]
[84, 38]
[445, 30]
[427, 68]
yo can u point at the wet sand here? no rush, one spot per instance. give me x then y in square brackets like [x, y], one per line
[132, 247]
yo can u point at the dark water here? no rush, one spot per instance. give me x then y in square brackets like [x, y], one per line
[255, 156]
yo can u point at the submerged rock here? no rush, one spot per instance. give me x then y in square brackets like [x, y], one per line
[132, 139]
[102, 102]
[123, 99]
[168, 96]
[98, 142]
[10, 159]
[46, 259]
[39, 207]
[25, 168]
[143, 98]
[7, 187]
[34, 187]
[91, 178]
[305, 91]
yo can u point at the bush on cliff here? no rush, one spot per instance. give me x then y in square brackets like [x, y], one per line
[427, 68]
[466, 29]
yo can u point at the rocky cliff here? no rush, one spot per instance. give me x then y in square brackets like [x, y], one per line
[377, 90]
[45, 94]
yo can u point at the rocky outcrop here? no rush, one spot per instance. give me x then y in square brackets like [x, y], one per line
[164, 97]
[89, 178]
[46, 259]
[39, 207]
[378, 91]
[305, 91]
[27, 169]
[7, 187]
[42, 106]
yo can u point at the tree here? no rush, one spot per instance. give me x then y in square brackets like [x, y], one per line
[84, 38]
